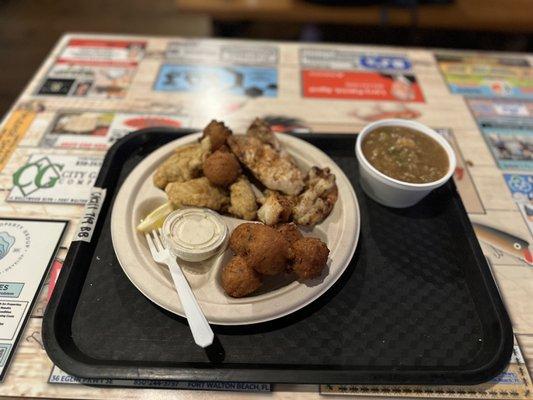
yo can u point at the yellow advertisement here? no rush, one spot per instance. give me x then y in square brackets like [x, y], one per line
[12, 132]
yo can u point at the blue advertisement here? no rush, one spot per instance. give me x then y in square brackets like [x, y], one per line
[497, 89]
[9, 289]
[240, 81]
[389, 63]
[487, 76]
[520, 185]
[511, 144]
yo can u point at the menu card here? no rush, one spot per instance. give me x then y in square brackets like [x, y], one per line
[27, 249]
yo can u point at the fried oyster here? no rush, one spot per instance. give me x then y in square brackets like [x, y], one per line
[197, 192]
[243, 202]
[183, 165]
[224, 161]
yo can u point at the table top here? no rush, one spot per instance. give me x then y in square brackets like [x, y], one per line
[93, 89]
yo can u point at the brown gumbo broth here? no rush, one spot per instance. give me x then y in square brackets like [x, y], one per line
[405, 154]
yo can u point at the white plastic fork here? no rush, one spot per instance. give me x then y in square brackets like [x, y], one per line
[201, 331]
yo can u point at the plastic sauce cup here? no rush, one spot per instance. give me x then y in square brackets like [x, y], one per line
[194, 234]
[393, 192]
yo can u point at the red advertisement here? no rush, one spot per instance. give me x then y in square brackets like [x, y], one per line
[54, 274]
[361, 85]
[101, 51]
[95, 68]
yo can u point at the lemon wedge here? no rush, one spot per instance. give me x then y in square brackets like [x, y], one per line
[156, 218]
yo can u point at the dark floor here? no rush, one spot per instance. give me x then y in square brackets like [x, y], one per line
[381, 36]
[30, 28]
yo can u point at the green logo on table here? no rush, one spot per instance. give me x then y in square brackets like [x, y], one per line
[40, 174]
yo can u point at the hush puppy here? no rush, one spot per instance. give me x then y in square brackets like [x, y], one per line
[309, 257]
[290, 232]
[263, 247]
[221, 168]
[239, 279]
[240, 239]
[217, 133]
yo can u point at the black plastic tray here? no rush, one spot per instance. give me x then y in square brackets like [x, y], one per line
[417, 305]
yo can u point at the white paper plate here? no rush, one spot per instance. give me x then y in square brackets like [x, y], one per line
[138, 196]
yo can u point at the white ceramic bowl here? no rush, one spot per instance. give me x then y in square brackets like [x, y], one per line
[393, 192]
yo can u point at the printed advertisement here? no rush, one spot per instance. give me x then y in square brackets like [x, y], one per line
[344, 74]
[198, 51]
[327, 58]
[94, 68]
[218, 69]
[103, 50]
[58, 179]
[13, 131]
[360, 85]
[58, 376]
[27, 248]
[510, 144]
[507, 127]
[500, 108]
[94, 130]
[218, 80]
[513, 383]
[521, 189]
[521, 186]
[486, 76]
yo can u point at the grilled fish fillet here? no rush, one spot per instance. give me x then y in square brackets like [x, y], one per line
[261, 130]
[318, 198]
[276, 208]
[267, 164]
